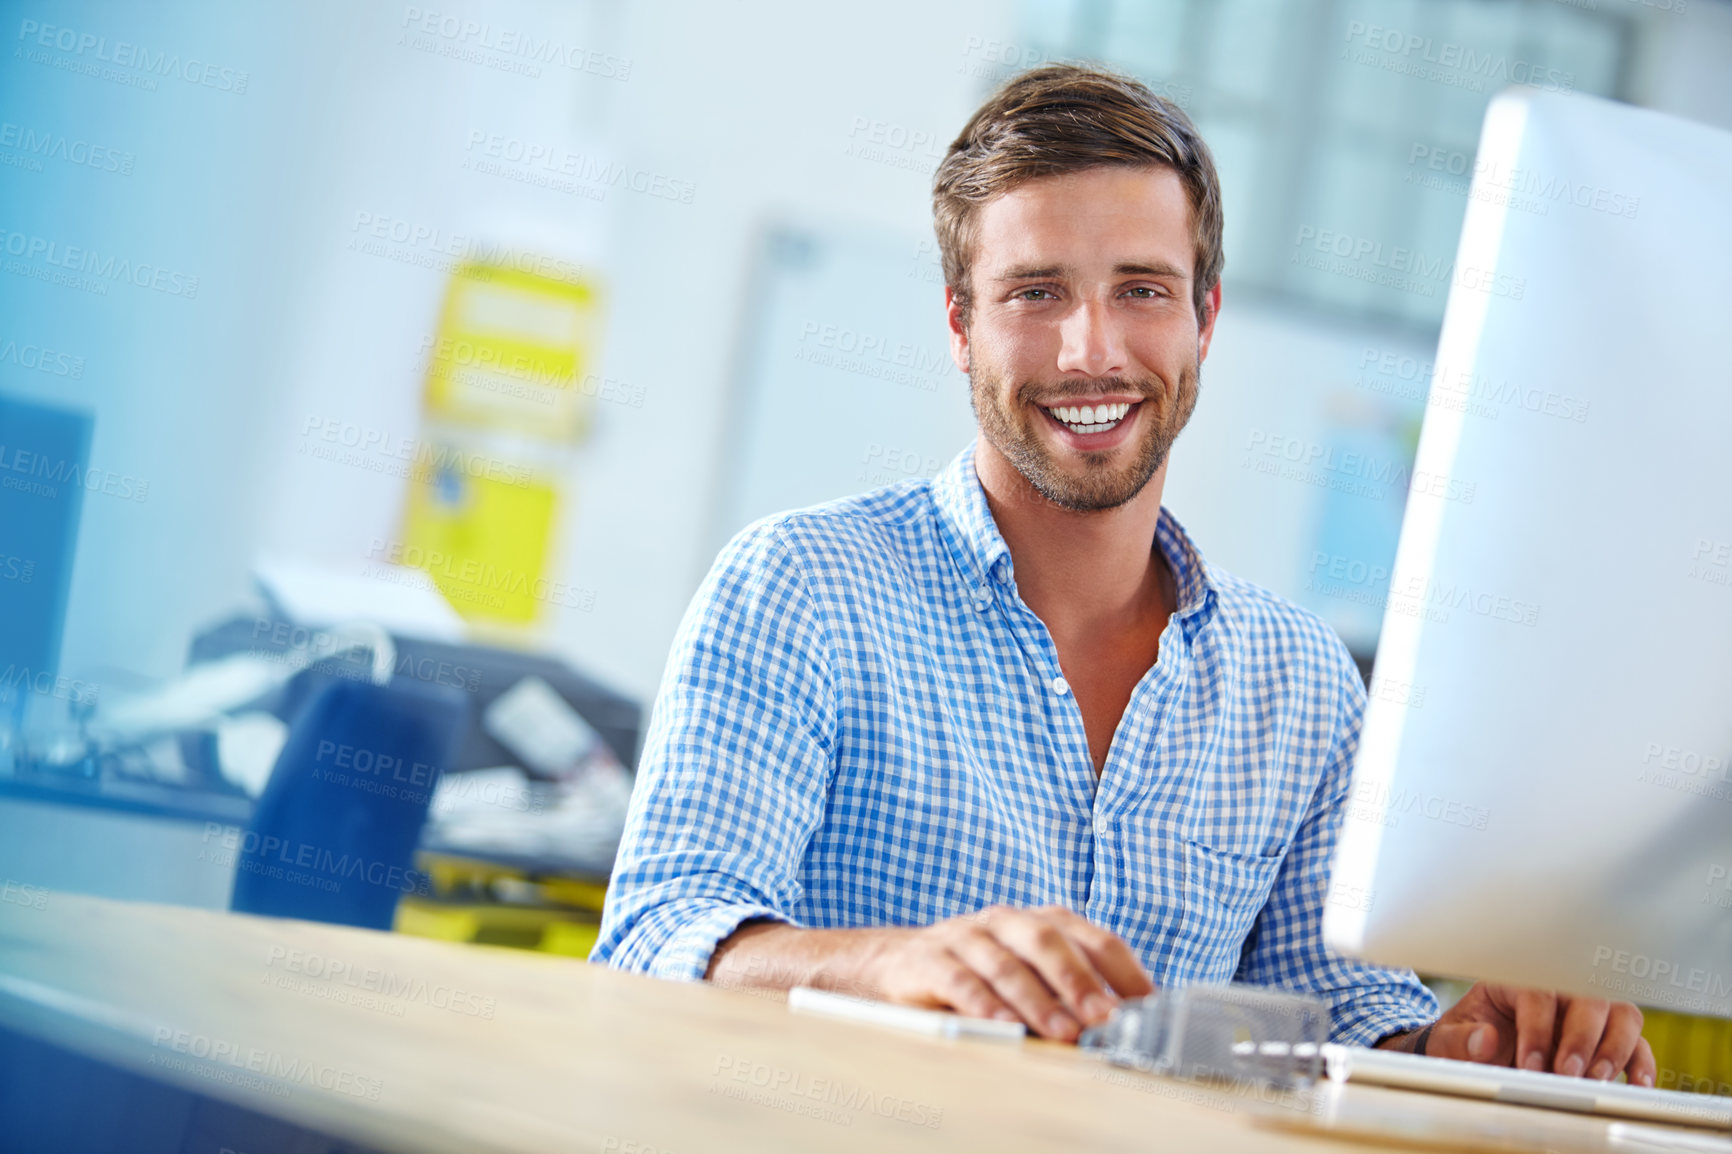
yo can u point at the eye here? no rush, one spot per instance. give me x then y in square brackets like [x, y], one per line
[1025, 294]
[1146, 292]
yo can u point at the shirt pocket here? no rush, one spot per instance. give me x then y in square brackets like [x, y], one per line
[1225, 890]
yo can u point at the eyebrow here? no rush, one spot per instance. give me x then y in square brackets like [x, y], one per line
[1048, 272]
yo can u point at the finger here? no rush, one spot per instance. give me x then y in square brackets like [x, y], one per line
[1642, 1067]
[1536, 1018]
[1618, 1042]
[1584, 1025]
[1109, 955]
[1465, 1042]
[1018, 986]
[1039, 942]
[956, 986]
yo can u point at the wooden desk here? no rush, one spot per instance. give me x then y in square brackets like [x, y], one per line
[414, 1045]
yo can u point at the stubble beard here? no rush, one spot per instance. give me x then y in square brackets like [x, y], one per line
[1098, 485]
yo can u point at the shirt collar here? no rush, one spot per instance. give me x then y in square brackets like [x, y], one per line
[984, 558]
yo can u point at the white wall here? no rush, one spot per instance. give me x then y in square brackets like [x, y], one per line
[759, 110]
[1684, 65]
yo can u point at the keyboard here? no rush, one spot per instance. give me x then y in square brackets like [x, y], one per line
[1526, 1087]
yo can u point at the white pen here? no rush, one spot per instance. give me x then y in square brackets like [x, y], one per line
[938, 1023]
[1663, 1140]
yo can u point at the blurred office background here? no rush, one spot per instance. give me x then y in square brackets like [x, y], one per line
[746, 188]
[546, 300]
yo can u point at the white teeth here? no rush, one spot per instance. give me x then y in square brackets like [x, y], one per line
[1091, 418]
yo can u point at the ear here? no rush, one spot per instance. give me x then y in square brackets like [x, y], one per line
[958, 333]
[1206, 330]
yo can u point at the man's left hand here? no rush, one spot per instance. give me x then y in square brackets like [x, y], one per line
[1537, 1030]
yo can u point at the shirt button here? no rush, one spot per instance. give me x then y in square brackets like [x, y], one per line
[981, 601]
[1060, 686]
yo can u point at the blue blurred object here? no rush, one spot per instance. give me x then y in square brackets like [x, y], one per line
[334, 835]
[44, 458]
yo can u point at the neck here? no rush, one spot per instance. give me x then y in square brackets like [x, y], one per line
[1080, 572]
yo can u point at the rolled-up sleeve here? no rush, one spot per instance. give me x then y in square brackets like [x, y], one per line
[735, 769]
[1286, 948]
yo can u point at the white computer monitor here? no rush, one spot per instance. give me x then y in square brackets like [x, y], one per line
[1543, 792]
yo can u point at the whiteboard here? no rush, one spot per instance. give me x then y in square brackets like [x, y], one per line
[844, 380]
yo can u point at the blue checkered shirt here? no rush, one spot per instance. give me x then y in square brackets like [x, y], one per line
[862, 724]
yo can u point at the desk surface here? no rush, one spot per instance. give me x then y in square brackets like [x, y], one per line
[413, 1045]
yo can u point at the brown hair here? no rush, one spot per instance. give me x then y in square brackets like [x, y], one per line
[1066, 118]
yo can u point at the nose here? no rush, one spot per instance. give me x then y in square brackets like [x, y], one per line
[1090, 339]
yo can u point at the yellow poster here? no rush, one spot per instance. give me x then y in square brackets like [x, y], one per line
[502, 409]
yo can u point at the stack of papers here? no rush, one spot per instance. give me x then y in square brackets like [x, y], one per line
[567, 825]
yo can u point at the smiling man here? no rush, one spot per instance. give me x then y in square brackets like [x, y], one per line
[1003, 742]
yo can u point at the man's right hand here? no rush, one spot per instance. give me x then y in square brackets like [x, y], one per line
[1049, 967]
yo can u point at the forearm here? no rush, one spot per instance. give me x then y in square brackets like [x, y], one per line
[777, 956]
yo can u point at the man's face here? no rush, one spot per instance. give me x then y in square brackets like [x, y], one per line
[1083, 347]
